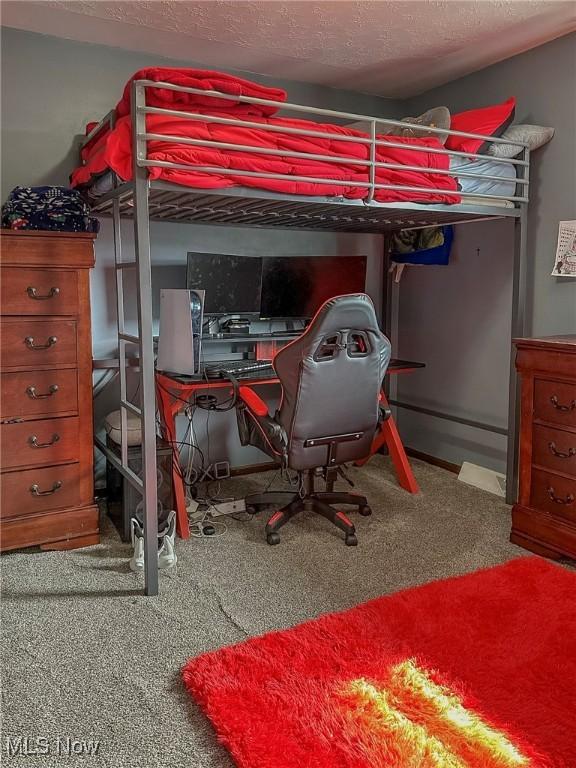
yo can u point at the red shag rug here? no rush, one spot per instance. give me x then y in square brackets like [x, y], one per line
[471, 672]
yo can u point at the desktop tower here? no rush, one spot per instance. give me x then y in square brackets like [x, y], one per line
[123, 499]
[180, 334]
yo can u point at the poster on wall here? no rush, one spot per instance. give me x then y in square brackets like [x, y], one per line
[565, 264]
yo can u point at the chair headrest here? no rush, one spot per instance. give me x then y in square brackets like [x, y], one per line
[353, 310]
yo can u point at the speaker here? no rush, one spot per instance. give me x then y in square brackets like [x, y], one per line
[180, 335]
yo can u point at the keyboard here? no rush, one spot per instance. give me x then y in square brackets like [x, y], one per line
[240, 369]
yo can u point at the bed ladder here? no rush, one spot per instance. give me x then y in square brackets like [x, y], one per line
[146, 482]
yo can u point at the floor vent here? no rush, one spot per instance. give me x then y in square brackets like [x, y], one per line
[486, 479]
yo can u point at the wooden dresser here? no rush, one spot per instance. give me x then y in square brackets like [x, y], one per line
[47, 479]
[544, 520]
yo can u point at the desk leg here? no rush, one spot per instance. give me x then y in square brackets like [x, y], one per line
[168, 411]
[390, 436]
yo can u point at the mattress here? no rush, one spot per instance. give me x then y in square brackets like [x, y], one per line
[475, 200]
[101, 185]
[486, 166]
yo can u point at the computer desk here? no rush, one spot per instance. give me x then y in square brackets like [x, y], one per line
[173, 395]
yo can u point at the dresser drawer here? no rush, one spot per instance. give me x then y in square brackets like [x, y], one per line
[38, 342]
[38, 443]
[47, 249]
[40, 490]
[35, 394]
[554, 449]
[553, 494]
[555, 402]
[71, 525]
[29, 291]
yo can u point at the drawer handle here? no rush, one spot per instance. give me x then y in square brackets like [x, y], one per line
[33, 293]
[31, 392]
[557, 500]
[29, 341]
[561, 454]
[35, 489]
[564, 408]
[33, 440]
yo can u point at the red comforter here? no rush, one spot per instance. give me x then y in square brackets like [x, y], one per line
[113, 150]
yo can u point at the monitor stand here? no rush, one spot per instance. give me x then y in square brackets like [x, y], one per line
[237, 326]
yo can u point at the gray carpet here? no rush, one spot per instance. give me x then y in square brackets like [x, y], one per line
[87, 657]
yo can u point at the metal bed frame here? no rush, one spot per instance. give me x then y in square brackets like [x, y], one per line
[144, 200]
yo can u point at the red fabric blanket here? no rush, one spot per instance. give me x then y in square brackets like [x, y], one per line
[113, 150]
[207, 81]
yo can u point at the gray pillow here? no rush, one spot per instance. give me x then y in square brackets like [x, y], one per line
[534, 135]
[439, 117]
[415, 127]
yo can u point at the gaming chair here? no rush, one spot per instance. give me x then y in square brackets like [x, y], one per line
[331, 378]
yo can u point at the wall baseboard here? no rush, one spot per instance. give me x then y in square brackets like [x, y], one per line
[434, 460]
[252, 469]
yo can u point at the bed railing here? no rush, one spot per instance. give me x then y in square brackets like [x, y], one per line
[374, 139]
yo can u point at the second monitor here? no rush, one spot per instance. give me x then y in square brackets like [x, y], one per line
[297, 286]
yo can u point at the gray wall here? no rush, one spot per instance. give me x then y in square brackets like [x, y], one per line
[52, 87]
[457, 319]
[465, 307]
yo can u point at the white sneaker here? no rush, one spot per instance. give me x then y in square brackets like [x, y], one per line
[137, 538]
[167, 553]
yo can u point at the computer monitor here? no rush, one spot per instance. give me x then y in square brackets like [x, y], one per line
[297, 286]
[232, 283]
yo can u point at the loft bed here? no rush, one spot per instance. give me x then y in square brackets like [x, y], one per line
[237, 197]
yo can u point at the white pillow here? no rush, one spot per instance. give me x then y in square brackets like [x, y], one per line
[112, 426]
[534, 135]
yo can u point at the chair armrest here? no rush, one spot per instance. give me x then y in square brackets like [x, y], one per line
[253, 401]
[385, 411]
[256, 426]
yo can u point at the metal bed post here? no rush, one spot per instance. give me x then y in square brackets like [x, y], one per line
[387, 318]
[386, 302]
[518, 328]
[146, 341]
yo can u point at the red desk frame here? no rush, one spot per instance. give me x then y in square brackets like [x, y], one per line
[173, 394]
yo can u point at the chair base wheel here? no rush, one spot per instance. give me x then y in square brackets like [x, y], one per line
[273, 538]
[365, 511]
[351, 540]
[252, 510]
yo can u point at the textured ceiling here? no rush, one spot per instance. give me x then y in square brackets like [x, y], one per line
[389, 47]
